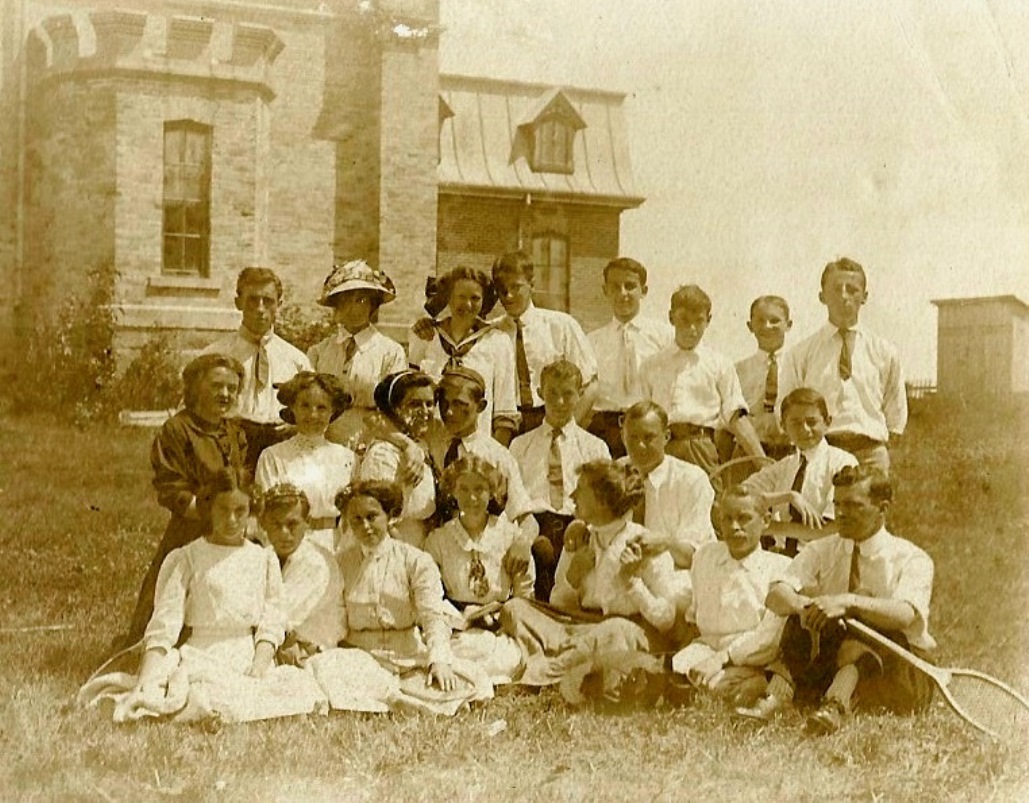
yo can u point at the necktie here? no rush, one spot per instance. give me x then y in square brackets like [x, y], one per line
[457, 351]
[798, 483]
[555, 473]
[477, 580]
[630, 371]
[453, 452]
[845, 350]
[349, 352]
[771, 383]
[522, 364]
[261, 367]
[854, 581]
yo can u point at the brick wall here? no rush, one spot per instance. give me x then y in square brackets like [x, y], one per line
[474, 231]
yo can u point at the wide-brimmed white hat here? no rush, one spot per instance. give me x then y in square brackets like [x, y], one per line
[356, 275]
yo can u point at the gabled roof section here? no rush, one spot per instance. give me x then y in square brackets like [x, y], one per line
[483, 150]
[553, 102]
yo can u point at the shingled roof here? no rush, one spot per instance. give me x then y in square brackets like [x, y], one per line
[484, 148]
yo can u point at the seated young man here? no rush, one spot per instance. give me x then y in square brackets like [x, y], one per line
[863, 572]
[739, 637]
[800, 484]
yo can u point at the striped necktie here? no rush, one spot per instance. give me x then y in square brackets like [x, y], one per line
[522, 365]
[847, 336]
[771, 383]
[556, 473]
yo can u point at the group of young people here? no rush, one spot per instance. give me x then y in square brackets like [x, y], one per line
[512, 501]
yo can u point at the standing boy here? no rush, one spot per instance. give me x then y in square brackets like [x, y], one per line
[620, 348]
[267, 360]
[759, 373]
[697, 386]
[857, 372]
[549, 457]
[739, 636]
[540, 337]
[866, 573]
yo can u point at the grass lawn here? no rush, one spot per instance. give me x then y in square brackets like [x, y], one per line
[79, 524]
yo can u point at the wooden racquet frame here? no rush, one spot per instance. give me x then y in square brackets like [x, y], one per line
[941, 676]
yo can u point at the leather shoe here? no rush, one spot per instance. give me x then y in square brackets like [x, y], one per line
[827, 718]
[764, 710]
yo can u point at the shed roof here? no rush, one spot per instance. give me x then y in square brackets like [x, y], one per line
[483, 151]
[1010, 300]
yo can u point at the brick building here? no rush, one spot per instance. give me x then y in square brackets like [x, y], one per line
[183, 140]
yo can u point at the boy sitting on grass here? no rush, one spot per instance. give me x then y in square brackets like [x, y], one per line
[738, 637]
[312, 587]
[801, 484]
[863, 572]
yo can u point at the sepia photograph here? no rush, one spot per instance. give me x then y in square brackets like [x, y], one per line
[573, 400]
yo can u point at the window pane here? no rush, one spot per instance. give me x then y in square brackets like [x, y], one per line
[174, 140]
[192, 257]
[174, 219]
[196, 219]
[172, 254]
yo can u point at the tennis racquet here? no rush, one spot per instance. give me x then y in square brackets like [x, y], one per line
[982, 701]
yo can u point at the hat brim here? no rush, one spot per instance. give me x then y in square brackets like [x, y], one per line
[357, 284]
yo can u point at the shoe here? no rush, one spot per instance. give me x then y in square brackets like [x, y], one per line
[828, 718]
[764, 710]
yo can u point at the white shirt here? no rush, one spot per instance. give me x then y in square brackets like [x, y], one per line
[549, 335]
[312, 595]
[873, 402]
[492, 357]
[452, 548]
[698, 387]
[679, 498]
[518, 503]
[753, 373]
[889, 567]
[284, 362]
[532, 452]
[377, 356]
[823, 461]
[729, 602]
[646, 337]
[318, 467]
[651, 594]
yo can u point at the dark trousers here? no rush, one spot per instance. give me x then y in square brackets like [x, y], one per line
[607, 425]
[546, 550]
[260, 437]
[885, 681]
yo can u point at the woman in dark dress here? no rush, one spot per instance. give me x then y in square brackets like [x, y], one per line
[193, 446]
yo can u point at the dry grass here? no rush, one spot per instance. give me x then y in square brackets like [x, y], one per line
[79, 527]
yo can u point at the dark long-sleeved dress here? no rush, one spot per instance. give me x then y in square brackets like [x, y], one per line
[187, 453]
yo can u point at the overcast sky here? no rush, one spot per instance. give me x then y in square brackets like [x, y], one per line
[770, 137]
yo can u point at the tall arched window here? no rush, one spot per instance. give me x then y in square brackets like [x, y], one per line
[186, 231]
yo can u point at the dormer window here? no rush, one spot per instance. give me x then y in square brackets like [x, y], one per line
[552, 146]
[551, 125]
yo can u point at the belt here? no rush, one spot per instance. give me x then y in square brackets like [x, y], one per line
[852, 440]
[685, 431]
[323, 523]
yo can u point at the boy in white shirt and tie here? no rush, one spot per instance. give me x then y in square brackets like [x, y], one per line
[858, 372]
[800, 485]
[549, 457]
[620, 348]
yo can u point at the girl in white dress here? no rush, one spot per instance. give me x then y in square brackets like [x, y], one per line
[227, 591]
[308, 460]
